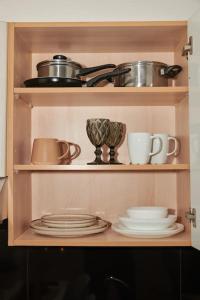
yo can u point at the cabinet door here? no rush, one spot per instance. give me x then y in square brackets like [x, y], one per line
[194, 109]
[3, 94]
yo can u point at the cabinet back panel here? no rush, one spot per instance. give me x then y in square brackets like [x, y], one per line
[105, 194]
[92, 59]
[69, 123]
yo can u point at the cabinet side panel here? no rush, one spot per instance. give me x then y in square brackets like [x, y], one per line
[10, 110]
[4, 200]
[21, 180]
[22, 132]
[182, 130]
[21, 202]
[183, 199]
[3, 96]
[23, 61]
[183, 179]
[182, 78]
[18, 144]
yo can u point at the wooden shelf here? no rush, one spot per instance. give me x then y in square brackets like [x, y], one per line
[109, 168]
[101, 36]
[61, 112]
[107, 239]
[102, 96]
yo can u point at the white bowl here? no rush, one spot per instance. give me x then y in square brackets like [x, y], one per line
[148, 224]
[147, 212]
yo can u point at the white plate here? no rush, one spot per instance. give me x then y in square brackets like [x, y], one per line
[148, 234]
[38, 227]
[69, 218]
[148, 224]
[150, 212]
[142, 229]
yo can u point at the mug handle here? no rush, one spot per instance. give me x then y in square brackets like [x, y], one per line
[160, 145]
[175, 145]
[77, 151]
[67, 151]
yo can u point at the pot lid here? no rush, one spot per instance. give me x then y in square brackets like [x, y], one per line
[58, 60]
[142, 62]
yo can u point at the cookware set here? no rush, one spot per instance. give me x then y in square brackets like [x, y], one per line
[61, 71]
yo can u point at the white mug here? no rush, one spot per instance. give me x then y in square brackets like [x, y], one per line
[161, 157]
[140, 145]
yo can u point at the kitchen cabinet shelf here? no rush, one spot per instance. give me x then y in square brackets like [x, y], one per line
[105, 190]
[108, 238]
[102, 96]
[108, 168]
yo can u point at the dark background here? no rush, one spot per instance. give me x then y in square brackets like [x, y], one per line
[54, 273]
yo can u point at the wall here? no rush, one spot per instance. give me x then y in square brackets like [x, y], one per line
[93, 10]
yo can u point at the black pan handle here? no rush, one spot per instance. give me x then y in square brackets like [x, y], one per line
[94, 81]
[86, 71]
[171, 71]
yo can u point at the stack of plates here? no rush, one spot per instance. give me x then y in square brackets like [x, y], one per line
[69, 225]
[147, 222]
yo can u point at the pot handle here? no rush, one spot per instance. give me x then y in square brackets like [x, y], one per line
[171, 71]
[86, 71]
[94, 81]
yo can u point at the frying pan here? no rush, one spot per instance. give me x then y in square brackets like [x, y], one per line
[70, 82]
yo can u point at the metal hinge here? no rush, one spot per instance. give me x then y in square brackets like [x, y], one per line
[191, 216]
[188, 48]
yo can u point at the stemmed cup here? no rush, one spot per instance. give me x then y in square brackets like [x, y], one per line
[114, 139]
[98, 131]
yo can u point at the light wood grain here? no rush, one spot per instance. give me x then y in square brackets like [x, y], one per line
[107, 194]
[119, 168]
[102, 24]
[107, 239]
[62, 113]
[10, 109]
[182, 78]
[69, 123]
[22, 205]
[102, 96]
[4, 200]
[101, 36]
[89, 59]
[18, 137]
[22, 60]
[183, 180]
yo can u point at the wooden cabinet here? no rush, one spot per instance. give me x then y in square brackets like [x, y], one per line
[62, 112]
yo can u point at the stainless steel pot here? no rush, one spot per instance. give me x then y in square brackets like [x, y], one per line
[63, 67]
[146, 74]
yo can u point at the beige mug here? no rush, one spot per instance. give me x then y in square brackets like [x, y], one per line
[71, 155]
[49, 151]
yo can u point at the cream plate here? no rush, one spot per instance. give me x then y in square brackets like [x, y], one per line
[69, 218]
[38, 227]
[147, 234]
[69, 225]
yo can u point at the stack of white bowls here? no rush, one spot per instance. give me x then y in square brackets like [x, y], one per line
[147, 222]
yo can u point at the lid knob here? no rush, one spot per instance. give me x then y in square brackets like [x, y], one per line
[59, 56]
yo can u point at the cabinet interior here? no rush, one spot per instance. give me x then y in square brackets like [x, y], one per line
[107, 194]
